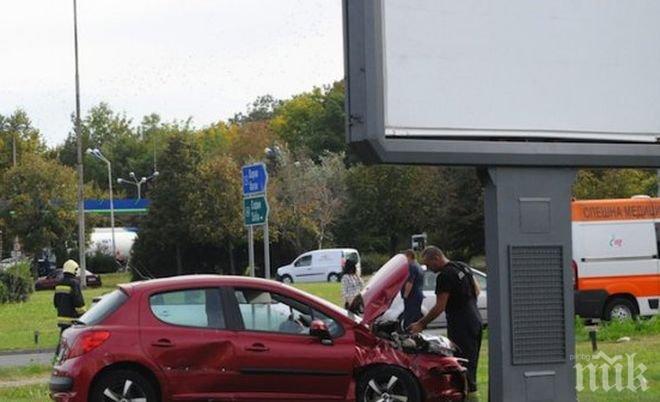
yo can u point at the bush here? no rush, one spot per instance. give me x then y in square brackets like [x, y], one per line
[17, 282]
[4, 292]
[371, 262]
[101, 263]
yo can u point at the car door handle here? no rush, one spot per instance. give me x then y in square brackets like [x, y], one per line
[257, 347]
[162, 343]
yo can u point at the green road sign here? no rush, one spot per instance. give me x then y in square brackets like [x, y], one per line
[255, 211]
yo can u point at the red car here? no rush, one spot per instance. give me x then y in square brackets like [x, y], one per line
[223, 338]
[49, 281]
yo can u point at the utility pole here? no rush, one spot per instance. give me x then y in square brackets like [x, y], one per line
[81, 195]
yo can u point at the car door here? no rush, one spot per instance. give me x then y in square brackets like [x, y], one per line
[302, 269]
[324, 263]
[280, 360]
[184, 332]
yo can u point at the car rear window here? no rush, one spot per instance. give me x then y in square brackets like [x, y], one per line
[106, 306]
[199, 308]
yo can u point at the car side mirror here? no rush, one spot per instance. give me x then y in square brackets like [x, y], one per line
[319, 329]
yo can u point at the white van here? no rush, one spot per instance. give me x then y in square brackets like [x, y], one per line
[615, 257]
[318, 266]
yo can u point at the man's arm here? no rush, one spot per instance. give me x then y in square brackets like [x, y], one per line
[440, 304]
[407, 288]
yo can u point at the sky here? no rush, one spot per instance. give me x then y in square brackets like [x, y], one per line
[205, 59]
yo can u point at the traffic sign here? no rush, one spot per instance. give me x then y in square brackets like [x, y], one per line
[255, 211]
[255, 179]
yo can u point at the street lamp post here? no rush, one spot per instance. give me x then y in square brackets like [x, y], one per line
[79, 155]
[138, 183]
[98, 155]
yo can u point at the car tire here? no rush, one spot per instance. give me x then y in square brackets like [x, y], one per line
[388, 383]
[334, 277]
[118, 385]
[619, 309]
[287, 279]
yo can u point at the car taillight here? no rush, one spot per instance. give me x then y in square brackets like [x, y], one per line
[575, 275]
[88, 341]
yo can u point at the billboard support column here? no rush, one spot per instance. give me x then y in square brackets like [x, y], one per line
[530, 295]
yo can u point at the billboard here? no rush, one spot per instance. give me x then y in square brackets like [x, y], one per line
[504, 82]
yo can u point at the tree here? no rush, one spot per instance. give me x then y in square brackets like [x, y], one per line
[290, 196]
[17, 128]
[615, 183]
[165, 234]
[457, 218]
[215, 208]
[313, 121]
[381, 206]
[42, 203]
[261, 109]
[246, 143]
[327, 182]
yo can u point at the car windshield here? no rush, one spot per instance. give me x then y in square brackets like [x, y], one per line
[106, 306]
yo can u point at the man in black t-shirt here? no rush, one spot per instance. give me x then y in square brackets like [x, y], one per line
[456, 294]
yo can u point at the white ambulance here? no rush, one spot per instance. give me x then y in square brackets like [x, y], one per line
[615, 257]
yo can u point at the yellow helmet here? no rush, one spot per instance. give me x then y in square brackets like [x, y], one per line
[70, 267]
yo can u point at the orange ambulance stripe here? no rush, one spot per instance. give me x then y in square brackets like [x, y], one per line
[637, 285]
[616, 210]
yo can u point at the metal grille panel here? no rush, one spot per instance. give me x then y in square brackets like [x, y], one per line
[537, 304]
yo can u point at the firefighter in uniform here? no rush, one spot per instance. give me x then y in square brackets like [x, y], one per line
[68, 298]
[456, 294]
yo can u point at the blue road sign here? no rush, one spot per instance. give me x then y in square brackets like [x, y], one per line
[255, 179]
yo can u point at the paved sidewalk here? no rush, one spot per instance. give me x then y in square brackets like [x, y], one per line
[27, 359]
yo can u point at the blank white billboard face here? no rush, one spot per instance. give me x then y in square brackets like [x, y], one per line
[572, 69]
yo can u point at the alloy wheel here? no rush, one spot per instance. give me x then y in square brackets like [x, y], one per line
[386, 390]
[126, 392]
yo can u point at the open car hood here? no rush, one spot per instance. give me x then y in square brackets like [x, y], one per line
[382, 288]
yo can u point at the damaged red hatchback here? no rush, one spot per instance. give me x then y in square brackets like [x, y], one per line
[222, 338]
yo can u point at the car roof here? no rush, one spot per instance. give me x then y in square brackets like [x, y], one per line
[332, 249]
[200, 280]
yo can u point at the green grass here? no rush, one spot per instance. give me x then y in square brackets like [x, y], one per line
[29, 392]
[611, 331]
[19, 321]
[23, 372]
[26, 393]
[330, 291]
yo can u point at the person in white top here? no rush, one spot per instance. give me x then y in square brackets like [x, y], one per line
[351, 283]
